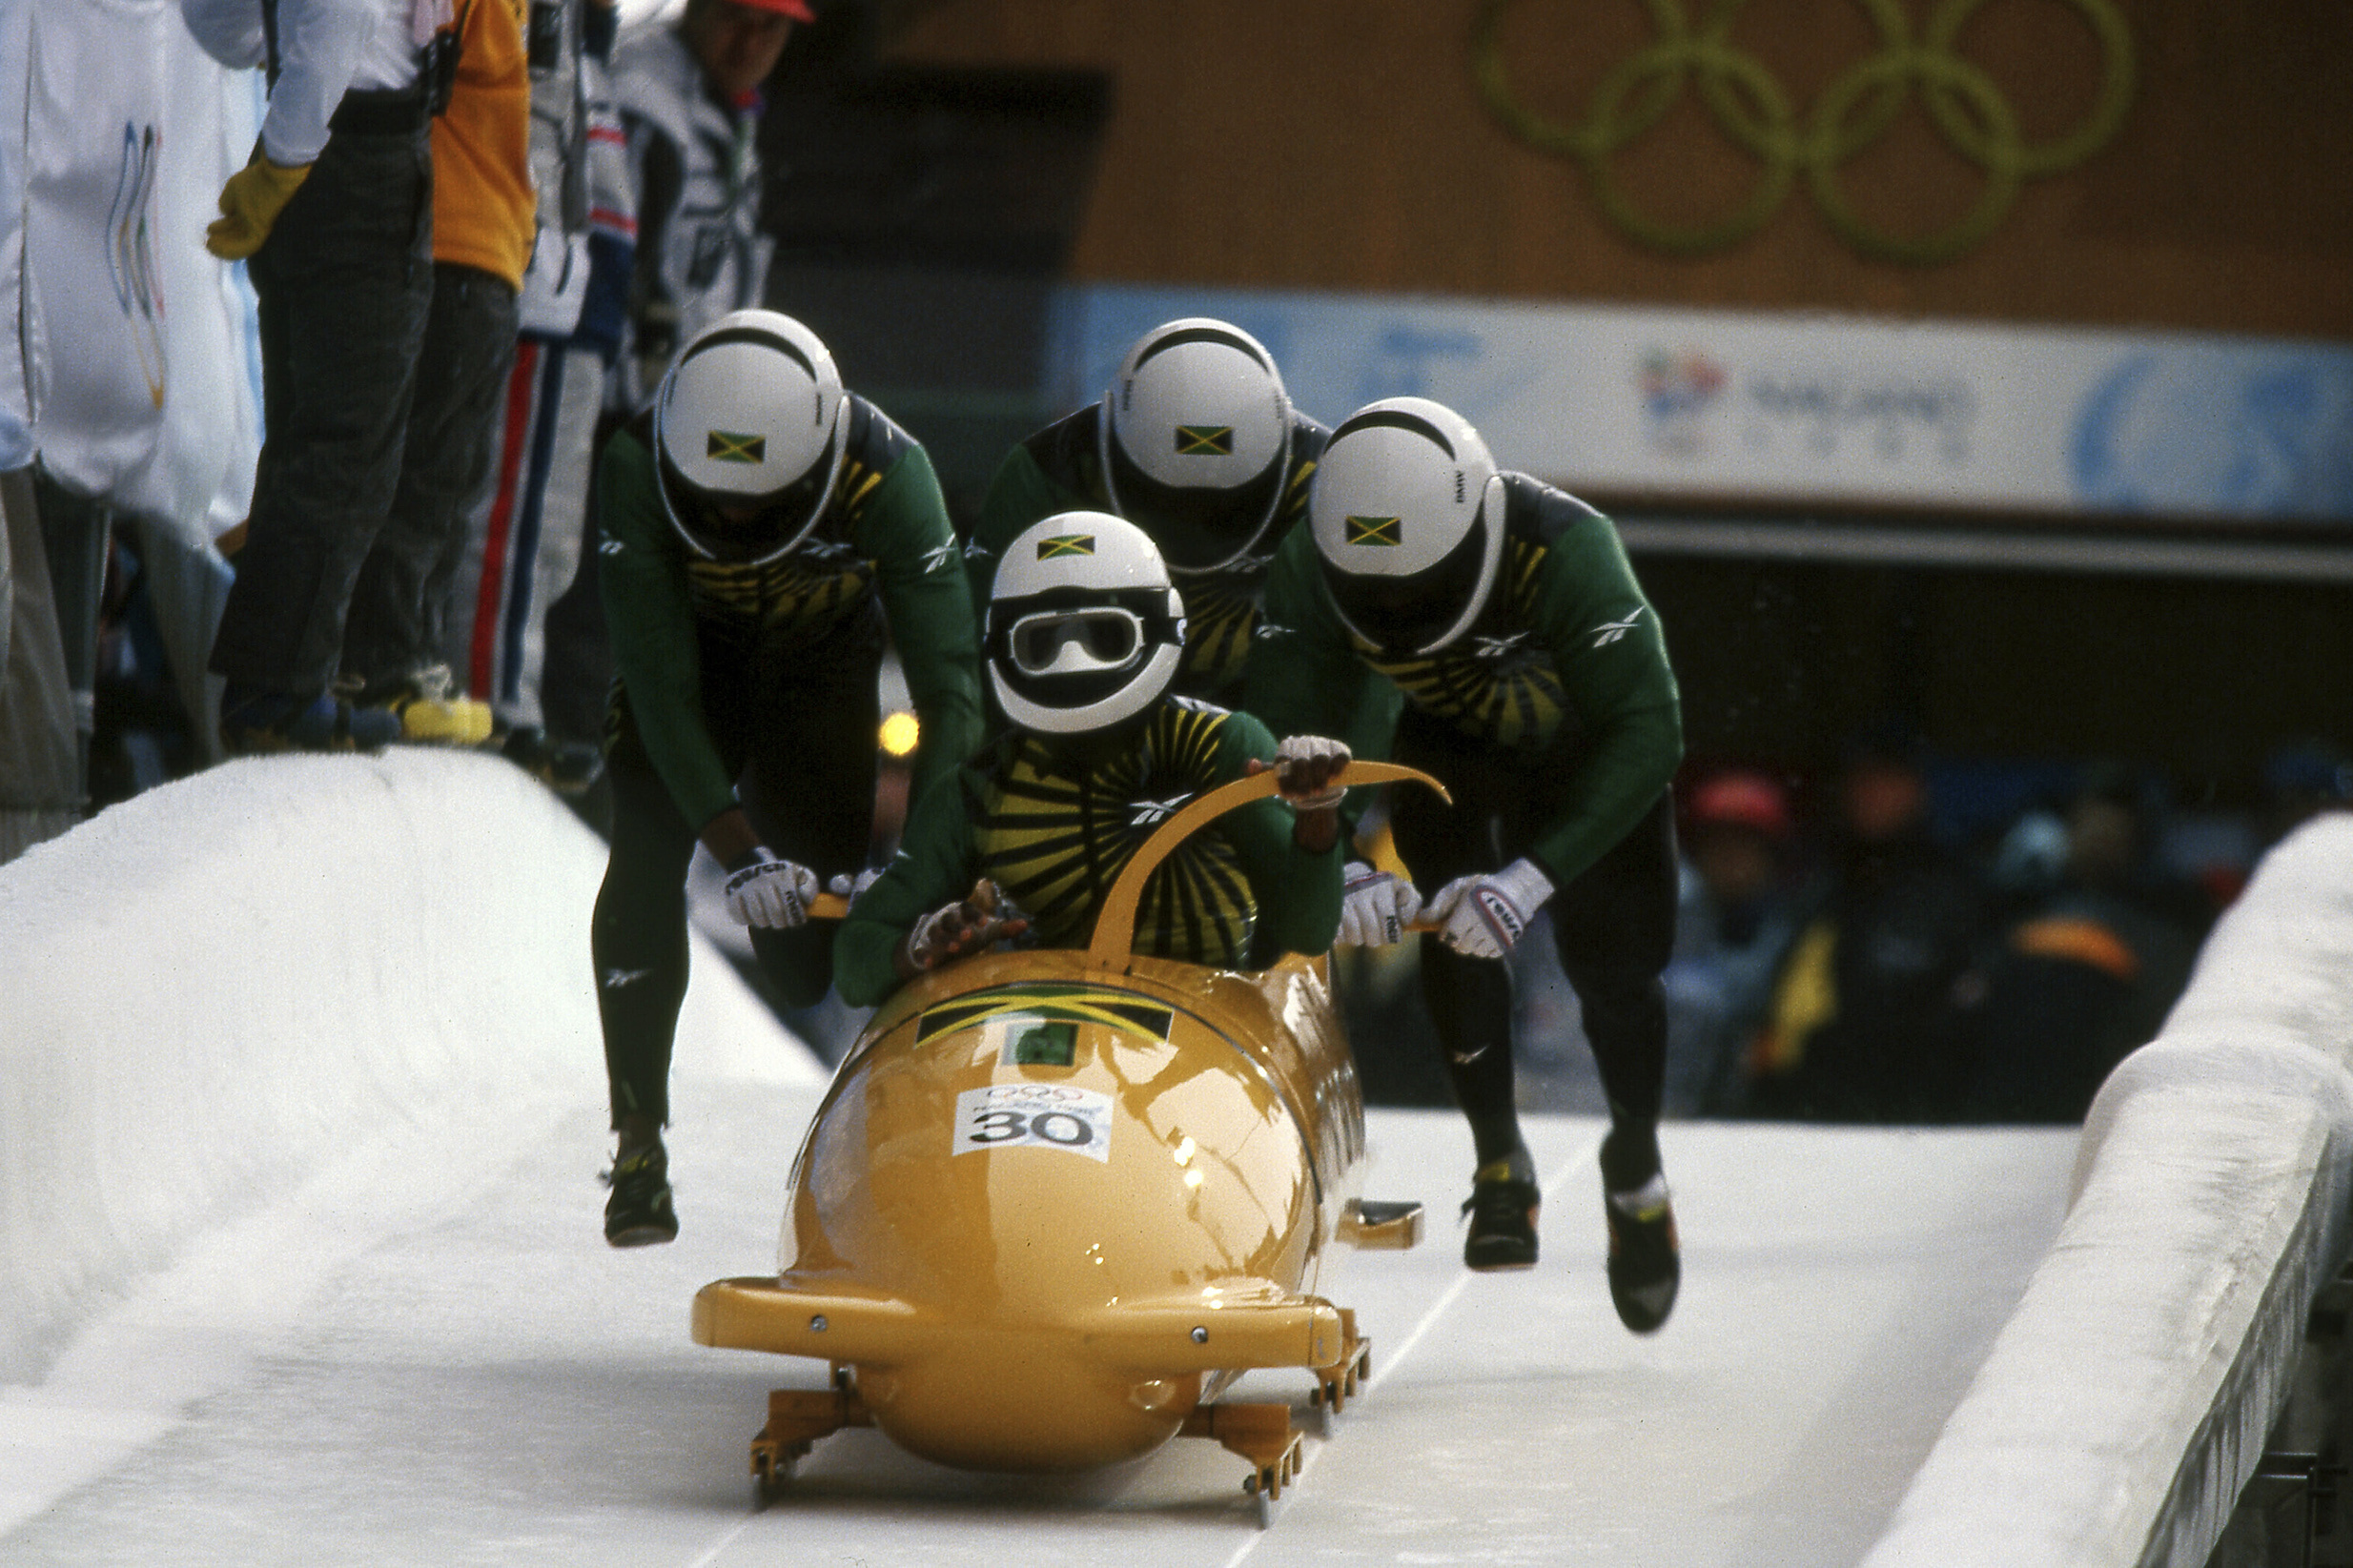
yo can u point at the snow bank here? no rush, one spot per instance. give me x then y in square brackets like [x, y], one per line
[211, 990]
[2128, 1399]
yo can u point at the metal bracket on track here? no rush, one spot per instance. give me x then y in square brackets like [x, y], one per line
[1338, 1383]
[1260, 1434]
[797, 1418]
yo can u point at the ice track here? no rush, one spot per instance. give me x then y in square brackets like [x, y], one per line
[490, 1384]
[419, 1351]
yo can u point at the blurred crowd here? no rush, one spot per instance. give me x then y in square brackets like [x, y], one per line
[1865, 951]
[1899, 936]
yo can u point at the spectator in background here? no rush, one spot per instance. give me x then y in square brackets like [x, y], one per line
[2301, 779]
[40, 776]
[334, 217]
[689, 101]
[688, 98]
[2090, 969]
[1735, 918]
[525, 537]
[395, 638]
[1870, 1012]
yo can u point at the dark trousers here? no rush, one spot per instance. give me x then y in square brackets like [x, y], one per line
[798, 726]
[399, 611]
[344, 282]
[1613, 925]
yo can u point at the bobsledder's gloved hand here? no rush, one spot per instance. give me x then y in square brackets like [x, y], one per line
[1307, 768]
[848, 887]
[1485, 915]
[250, 204]
[1374, 906]
[762, 890]
[974, 923]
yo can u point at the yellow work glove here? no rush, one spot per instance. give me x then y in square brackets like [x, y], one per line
[248, 205]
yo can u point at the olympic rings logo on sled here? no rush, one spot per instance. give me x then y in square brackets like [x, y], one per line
[1749, 106]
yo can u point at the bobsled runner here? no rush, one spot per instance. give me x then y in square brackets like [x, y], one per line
[1056, 1202]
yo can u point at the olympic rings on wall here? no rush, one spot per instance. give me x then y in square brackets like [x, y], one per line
[1753, 111]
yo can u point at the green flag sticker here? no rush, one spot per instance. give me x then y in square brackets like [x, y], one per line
[1205, 440]
[1056, 545]
[1373, 531]
[1049, 1043]
[729, 446]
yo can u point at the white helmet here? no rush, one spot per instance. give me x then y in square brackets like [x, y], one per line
[1407, 513]
[748, 419]
[1194, 437]
[1084, 629]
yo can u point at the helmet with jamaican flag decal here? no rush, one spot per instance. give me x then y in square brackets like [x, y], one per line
[1084, 629]
[747, 437]
[1194, 440]
[1407, 513]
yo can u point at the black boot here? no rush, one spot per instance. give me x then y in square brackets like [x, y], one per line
[639, 1213]
[1502, 1207]
[1645, 1264]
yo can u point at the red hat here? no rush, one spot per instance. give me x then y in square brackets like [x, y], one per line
[797, 9]
[1742, 799]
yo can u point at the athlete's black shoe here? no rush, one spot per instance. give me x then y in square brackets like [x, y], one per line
[568, 768]
[1644, 1261]
[1503, 1214]
[639, 1212]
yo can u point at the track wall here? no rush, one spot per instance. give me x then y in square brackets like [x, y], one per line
[2127, 1401]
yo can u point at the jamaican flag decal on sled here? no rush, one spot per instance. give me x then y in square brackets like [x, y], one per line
[1052, 1004]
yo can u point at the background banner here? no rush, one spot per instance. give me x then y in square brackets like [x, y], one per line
[1732, 406]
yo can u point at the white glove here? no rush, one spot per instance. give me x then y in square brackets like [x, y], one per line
[1374, 906]
[848, 888]
[1306, 767]
[1485, 915]
[555, 283]
[770, 892]
[978, 921]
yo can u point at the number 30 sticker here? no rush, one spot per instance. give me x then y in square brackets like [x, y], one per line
[1076, 1121]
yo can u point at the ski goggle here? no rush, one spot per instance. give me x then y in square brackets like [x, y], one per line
[1092, 641]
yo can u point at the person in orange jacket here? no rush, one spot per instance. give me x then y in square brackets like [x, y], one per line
[484, 215]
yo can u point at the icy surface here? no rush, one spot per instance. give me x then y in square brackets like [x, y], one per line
[354, 1306]
[490, 1384]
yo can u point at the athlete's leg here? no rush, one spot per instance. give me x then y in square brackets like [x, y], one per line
[638, 935]
[809, 785]
[1469, 999]
[1614, 928]
[638, 941]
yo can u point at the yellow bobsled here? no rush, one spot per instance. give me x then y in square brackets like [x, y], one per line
[1055, 1202]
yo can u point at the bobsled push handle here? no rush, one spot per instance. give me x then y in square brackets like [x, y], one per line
[1115, 926]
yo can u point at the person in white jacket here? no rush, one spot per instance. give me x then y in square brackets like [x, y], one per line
[690, 103]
